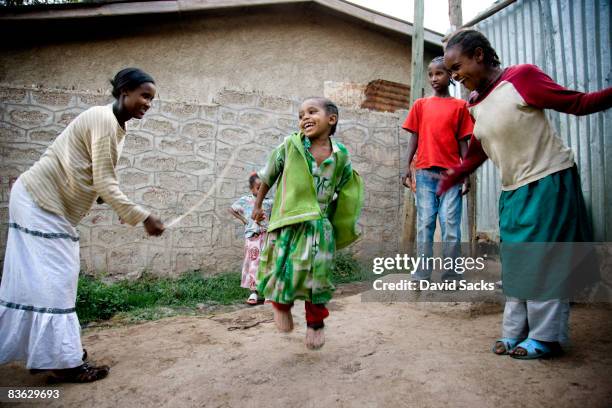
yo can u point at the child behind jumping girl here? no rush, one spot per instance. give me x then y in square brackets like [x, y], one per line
[254, 236]
[440, 126]
[316, 206]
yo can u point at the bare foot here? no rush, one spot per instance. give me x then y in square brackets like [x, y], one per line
[548, 349]
[315, 339]
[283, 320]
[519, 351]
[500, 348]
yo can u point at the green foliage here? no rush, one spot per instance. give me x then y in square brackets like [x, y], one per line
[97, 300]
[347, 269]
[150, 298]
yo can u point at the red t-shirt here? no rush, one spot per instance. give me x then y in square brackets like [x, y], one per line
[440, 124]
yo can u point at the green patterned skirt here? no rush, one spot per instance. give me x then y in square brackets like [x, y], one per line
[296, 263]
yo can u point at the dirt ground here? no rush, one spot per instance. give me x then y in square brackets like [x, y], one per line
[377, 355]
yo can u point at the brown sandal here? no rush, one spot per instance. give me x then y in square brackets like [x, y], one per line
[35, 371]
[81, 374]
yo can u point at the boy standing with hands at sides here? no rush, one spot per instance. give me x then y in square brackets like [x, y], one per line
[440, 127]
[316, 206]
[254, 235]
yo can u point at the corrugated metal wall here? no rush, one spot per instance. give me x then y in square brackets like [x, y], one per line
[569, 40]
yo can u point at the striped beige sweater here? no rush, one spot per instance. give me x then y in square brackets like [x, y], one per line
[79, 166]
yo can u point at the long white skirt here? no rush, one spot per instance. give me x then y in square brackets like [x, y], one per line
[38, 321]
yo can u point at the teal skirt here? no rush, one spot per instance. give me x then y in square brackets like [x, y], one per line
[541, 227]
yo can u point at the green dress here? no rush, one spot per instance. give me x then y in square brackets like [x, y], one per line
[297, 259]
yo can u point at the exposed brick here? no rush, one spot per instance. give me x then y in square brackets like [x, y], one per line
[255, 119]
[53, 98]
[180, 110]
[127, 260]
[379, 153]
[159, 126]
[235, 136]
[195, 165]
[124, 162]
[162, 181]
[98, 216]
[177, 181]
[209, 111]
[159, 261]
[95, 99]
[160, 198]
[228, 116]
[64, 118]
[236, 98]
[11, 134]
[236, 170]
[196, 201]
[270, 137]
[288, 125]
[12, 95]
[190, 220]
[22, 154]
[116, 236]
[192, 237]
[275, 104]
[201, 130]
[30, 117]
[253, 154]
[137, 143]
[45, 135]
[206, 149]
[134, 179]
[344, 93]
[175, 146]
[387, 136]
[155, 162]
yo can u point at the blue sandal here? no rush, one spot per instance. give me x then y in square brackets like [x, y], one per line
[537, 349]
[509, 345]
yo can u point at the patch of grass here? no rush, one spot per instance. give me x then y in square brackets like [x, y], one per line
[347, 269]
[97, 300]
[151, 298]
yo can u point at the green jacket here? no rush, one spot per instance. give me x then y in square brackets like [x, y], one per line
[296, 200]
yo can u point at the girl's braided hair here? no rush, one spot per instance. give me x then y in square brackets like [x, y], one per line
[440, 60]
[469, 40]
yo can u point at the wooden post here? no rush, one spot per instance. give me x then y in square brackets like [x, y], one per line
[455, 14]
[416, 92]
[456, 20]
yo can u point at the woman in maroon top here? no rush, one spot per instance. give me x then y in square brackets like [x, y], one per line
[541, 199]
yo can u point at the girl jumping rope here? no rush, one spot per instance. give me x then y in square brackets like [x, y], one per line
[254, 235]
[316, 206]
[541, 199]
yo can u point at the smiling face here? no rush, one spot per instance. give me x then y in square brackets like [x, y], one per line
[138, 101]
[469, 71]
[438, 76]
[314, 120]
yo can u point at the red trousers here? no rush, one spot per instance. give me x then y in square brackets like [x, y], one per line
[315, 313]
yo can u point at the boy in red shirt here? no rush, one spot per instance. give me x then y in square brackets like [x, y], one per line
[440, 127]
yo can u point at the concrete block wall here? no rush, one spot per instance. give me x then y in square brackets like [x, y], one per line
[183, 153]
